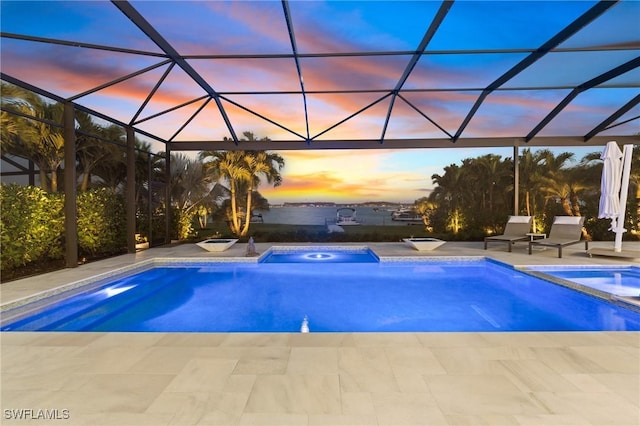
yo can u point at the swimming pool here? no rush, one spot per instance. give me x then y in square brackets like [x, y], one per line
[615, 280]
[429, 296]
[319, 254]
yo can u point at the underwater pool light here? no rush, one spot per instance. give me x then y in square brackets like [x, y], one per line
[318, 256]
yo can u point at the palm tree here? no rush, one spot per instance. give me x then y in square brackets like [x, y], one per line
[47, 142]
[260, 164]
[242, 171]
[425, 208]
[92, 151]
[491, 173]
[203, 211]
[10, 125]
[112, 173]
[448, 194]
[556, 183]
[190, 188]
[557, 188]
[229, 167]
[36, 140]
[531, 168]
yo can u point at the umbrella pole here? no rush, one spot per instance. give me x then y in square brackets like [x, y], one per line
[624, 189]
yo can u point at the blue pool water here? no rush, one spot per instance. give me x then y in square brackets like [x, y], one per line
[335, 297]
[320, 256]
[621, 281]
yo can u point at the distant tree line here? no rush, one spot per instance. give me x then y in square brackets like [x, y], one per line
[475, 198]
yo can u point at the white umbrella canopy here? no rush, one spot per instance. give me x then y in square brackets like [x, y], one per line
[610, 184]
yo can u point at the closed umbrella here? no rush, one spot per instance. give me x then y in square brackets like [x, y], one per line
[610, 184]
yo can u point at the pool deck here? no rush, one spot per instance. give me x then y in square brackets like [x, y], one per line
[531, 378]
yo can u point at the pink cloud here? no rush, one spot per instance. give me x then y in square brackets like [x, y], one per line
[265, 19]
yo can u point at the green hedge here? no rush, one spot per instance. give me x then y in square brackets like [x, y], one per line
[102, 222]
[32, 224]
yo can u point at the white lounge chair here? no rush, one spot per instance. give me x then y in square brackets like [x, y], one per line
[565, 231]
[515, 230]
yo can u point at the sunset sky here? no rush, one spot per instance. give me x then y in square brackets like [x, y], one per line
[477, 42]
[400, 176]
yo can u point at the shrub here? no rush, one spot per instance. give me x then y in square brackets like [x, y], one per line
[102, 222]
[182, 224]
[32, 225]
[157, 234]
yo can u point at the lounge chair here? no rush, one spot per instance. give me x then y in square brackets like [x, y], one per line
[515, 230]
[565, 231]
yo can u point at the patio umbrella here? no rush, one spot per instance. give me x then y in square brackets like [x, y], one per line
[614, 188]
[610, 184]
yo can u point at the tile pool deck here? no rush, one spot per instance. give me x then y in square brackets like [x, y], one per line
[321, 379]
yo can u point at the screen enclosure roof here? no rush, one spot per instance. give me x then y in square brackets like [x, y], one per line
[337, 74]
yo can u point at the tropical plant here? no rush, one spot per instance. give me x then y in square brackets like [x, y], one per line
[562, 183]
[490, 173]
[31, 225]
[531, 170]
[39, 138]
[227, 168]
[425, 208]
[448, 195]
[203, 212]
[260, 164]
[242, 173]
[101, 222]
[190, 188]
[99, 148]
[488, 190]
[10, 125]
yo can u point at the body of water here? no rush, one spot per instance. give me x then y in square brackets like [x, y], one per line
[324, 296]
[324, 215]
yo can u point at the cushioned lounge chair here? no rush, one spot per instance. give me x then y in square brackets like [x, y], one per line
[515, 230]
[565, 231]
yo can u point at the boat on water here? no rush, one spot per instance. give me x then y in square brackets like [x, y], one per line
[406, 217]
[400, 211]
[346, 216]
[404, 214]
